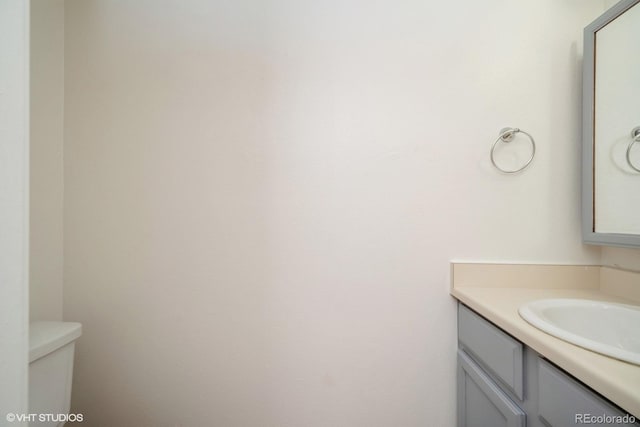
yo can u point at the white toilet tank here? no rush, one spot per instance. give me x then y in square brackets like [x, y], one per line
[51, 348]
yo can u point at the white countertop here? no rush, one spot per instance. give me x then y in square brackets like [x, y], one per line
[616, 380]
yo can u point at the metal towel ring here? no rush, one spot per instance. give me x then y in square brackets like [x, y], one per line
[507, 135]
[635, 137]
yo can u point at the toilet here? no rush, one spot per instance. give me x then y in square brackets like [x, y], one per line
[51, 348]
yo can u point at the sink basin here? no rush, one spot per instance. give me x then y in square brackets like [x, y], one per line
[604, 327]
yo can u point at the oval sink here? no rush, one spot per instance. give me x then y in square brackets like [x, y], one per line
[604, 327]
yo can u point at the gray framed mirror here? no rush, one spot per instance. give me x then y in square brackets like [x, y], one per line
[611, 128]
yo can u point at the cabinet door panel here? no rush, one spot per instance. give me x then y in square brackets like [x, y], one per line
[563, 402]
[481, 403]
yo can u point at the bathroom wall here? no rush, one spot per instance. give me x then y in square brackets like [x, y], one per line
[262, 198]
[628, 259]
[14, 214]
[46, 176]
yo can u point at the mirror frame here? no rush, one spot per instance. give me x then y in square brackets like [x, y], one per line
[589, 235]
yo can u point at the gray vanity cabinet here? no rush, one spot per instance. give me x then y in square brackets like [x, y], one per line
[503, 383]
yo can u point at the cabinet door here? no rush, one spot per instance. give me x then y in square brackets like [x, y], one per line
[563, 402]
[481, 403]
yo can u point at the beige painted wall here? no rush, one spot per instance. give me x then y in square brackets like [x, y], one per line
[46, 176]
[262, 198]
[621, 257]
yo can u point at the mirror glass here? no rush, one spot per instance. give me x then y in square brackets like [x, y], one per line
[612, 127]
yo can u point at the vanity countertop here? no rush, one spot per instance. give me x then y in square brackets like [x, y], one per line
[493, 297]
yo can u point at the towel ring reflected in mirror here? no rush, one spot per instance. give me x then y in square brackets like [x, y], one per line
[635, 137]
